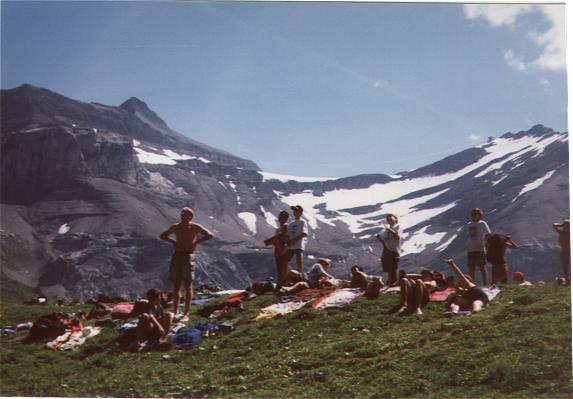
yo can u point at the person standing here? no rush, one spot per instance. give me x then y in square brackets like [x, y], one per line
[297, 233]
[280, 242]
[389, 236]
[565, 242]
[182, 265]
[497, 245]
[478, 231]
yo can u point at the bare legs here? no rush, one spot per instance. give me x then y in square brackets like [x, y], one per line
[411, 290]
[177, 296]
[483, 270]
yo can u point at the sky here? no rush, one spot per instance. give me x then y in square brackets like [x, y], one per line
[304, 89]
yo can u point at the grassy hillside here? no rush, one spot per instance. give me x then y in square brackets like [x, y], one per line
[519, 347]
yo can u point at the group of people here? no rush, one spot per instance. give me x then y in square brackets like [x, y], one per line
[289, 241]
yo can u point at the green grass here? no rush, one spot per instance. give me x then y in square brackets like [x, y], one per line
[519, 347]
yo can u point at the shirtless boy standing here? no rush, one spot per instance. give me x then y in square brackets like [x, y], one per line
[182, 267]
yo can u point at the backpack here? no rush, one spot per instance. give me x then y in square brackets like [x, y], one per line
[186, 339]
[47, 326]
[495, 249]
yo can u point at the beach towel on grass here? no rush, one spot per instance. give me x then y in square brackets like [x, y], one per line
[441, 296]
[312, 293]
[73, 338]
[337, 299]
[200, 300]
[387, 290]
[228, 292]
[279, 309]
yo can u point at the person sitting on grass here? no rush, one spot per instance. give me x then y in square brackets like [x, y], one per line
[154, 323]
[415, 292]
[360, 279]
[469, 297]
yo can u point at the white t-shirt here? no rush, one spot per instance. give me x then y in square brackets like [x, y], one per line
[296, 228]
[315, 273]
[476, 232]
[390, 241]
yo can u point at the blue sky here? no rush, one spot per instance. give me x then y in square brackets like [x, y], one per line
[307, 89]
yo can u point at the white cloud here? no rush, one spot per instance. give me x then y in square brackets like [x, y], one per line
[474, 137]
[496, 14]
[513, 61]
[551, 41]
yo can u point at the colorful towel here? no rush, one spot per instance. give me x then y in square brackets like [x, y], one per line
[280, 309]
[73, 338]
[200, 300]
[337, 299]
[312, 293]
[440, 296]
[122, 310]
[228, 292]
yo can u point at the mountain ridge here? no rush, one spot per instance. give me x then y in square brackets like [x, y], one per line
[95, 191]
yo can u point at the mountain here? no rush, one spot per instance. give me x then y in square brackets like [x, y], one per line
[87, 188]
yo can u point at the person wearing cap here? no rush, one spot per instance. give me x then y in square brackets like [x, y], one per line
[318, 273]
[477, 232]
[280, 242]
[565, 241]
[182, 266]
[389, 237]
[297, 233]
[519, 278]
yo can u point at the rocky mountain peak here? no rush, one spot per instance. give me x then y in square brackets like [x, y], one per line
[139, 108]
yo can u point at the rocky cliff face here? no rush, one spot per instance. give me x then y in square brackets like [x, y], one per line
[86, 189]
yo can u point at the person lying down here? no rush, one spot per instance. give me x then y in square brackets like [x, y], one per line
[469, 297]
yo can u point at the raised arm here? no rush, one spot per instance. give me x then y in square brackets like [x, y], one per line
[510, 243]
[463, 280]
[392, 232]
[558, 227]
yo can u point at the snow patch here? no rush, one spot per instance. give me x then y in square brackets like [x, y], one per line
[420, 240]
[269, 217]
[534, 184]
[446, 243]
[64, 229]
[250, 220]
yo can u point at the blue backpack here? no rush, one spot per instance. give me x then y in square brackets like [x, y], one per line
[186, 339]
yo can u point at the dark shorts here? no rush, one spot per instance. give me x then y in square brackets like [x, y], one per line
[182, 267]
[390, 261]
[500, 273]
[476, 294]
[476, 258]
